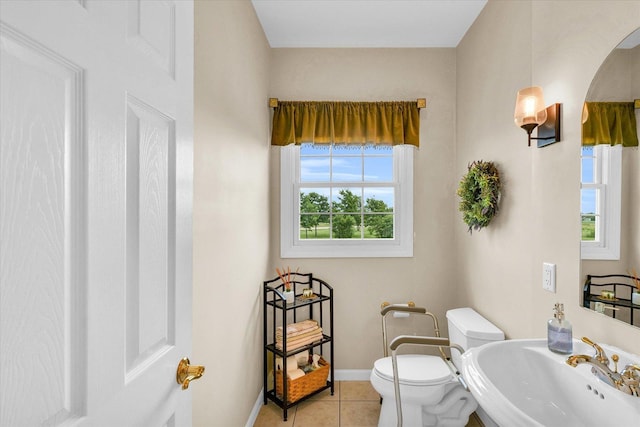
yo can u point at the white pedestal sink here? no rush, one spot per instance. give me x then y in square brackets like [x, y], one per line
[522, 383]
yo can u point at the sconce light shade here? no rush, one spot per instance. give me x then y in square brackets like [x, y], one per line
[531, 113]
[530, 109]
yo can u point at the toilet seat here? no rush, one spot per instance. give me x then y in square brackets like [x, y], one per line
[415, 369]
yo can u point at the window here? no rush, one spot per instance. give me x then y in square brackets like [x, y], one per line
[600, 201]
[346, 201]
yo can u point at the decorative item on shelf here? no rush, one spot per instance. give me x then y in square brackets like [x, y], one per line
[307, 293]
[600, 307]
[289, 292]
[610, 295]
[316, 359]
[635, 295]
[290, 297]
[531, 113]
[479, 191]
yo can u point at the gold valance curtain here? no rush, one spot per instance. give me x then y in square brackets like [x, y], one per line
[326, 122]
[610, 123]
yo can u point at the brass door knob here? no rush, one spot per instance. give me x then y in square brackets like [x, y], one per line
[187, 373]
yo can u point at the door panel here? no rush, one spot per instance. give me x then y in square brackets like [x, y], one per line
[95, 214]
[150, 233]
[41, 233]
[151, 29]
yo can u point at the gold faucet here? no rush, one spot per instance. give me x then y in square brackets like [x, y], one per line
[576, 359]
[628, 381]
[598, 368]
[601, 356]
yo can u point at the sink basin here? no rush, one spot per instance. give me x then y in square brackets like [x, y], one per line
[522, 383]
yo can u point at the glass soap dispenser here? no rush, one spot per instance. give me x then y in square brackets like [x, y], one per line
[559, 332]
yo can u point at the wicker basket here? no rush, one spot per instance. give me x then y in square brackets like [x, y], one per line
[301, 387]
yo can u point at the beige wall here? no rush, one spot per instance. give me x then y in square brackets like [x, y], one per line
[558, 45]
[230, 215]
[361, 285]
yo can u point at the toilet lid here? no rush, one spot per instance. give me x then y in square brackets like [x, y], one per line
[415, 369]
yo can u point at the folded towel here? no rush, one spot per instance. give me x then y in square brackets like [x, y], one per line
[297, 328]
[303, 335]
[300, 337]
[295, 374]
[293, 345]
[313, 337]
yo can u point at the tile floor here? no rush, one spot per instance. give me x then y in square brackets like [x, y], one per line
[353, 404]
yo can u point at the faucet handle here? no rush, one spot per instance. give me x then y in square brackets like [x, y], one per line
[630, 377]
[601, 356]
[631, 371]
[615, 359]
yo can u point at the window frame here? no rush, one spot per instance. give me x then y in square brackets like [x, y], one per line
[608, 181]
[291, 246]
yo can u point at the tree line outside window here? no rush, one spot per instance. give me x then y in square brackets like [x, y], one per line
[345, 218]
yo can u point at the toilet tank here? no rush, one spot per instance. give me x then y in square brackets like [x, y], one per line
[469, 329]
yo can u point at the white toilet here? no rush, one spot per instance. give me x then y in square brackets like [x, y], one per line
[430, 394]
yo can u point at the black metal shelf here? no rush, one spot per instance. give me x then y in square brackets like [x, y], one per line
[622, 302]
[272, 347]
[300, 301]
[277, 313]
[271, 394]
[620, 284]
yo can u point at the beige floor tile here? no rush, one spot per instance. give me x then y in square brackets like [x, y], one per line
[359, 413]
[474, 421]
[326, 394]
[358, 390]
[270, 415]
[318, 413]
[354, 404]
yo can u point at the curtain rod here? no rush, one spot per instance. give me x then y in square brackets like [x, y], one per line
[422, 102]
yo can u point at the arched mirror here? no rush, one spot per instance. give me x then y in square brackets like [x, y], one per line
[610, 186]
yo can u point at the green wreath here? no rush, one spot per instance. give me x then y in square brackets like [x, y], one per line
[479, 191]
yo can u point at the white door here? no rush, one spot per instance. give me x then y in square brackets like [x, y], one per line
[95, 211]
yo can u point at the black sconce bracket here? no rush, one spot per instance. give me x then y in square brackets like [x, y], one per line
[549, 131]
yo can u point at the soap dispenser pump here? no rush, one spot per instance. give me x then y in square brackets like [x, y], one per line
[559, 332]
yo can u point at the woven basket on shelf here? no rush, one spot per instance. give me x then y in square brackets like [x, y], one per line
[308, 383]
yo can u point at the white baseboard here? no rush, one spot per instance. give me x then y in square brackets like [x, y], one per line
[352, 374]
[256, 410]
[340, 375]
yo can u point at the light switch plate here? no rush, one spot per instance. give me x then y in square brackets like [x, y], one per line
[549, 277]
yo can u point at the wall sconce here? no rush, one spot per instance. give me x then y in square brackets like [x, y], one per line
[531, 113]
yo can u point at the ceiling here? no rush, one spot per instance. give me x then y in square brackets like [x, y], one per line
[366, 23]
